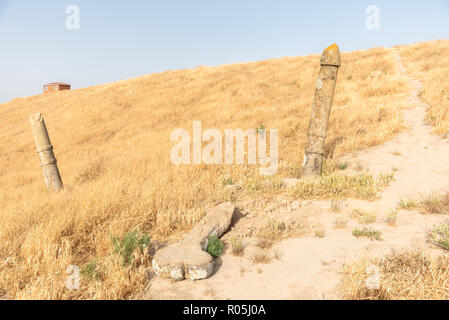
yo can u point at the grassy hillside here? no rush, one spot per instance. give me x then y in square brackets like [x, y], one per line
[428, 62]
[113, 144]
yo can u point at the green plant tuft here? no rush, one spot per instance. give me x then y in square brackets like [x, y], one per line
[214, 246]
[126, 246]
[439, 235]
[407, 204]
[368, 233]
[342, 165]
[90, 271]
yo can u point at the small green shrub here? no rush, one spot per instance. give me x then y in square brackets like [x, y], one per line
[342, 165]
[126, 246]
[368, 233]
[90, 271]
[407, 204]
[439, 235]
[214, 246]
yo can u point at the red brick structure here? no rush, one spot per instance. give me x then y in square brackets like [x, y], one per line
[56, 86]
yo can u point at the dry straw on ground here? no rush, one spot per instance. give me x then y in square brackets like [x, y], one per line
[112, 144]
[403, 275]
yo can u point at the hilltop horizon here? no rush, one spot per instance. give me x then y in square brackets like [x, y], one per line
[88, 43]
[214, 66]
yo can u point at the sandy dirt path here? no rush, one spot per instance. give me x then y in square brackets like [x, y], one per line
[309, 266]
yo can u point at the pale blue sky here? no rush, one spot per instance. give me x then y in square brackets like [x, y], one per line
[123, 39]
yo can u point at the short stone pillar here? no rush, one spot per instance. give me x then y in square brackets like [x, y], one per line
[45, 150]
[324, 94]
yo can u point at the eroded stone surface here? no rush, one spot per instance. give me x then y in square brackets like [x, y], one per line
[188, 258]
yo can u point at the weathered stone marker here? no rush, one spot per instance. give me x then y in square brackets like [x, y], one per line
[324, 94]
[188, 258]
[45, 151]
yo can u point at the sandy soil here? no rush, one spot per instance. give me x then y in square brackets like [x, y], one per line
[309, 266]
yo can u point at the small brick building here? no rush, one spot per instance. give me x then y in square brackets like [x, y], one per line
[56, 86]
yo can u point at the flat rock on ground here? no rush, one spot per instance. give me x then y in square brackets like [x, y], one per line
[188, 258]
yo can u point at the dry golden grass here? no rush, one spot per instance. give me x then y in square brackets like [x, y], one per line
[112, 143]
[435, 203]
[238, 246]
[272, 231]
[432, 203]
[428, 63]
[261, 256]
[403, 275]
